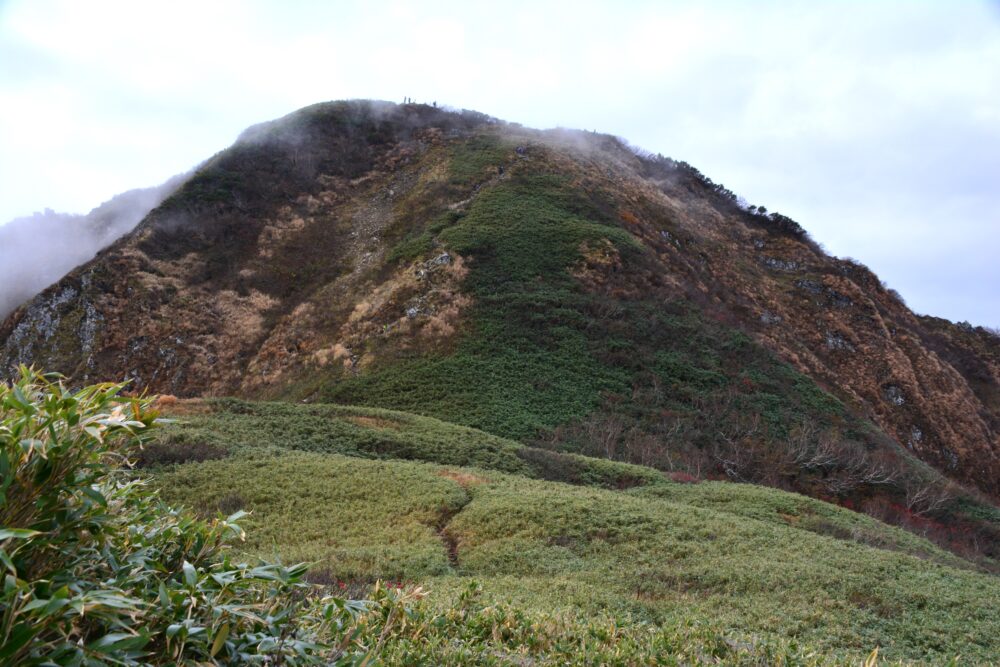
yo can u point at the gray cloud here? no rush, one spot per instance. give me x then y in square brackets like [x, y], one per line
[36, 251]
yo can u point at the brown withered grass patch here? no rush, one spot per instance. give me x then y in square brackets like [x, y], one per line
[170, 405]
[464, 479]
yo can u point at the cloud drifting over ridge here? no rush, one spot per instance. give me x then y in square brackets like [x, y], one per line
[875, 125]
[36, 251]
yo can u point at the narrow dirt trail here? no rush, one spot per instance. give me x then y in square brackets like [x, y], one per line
[449, 539]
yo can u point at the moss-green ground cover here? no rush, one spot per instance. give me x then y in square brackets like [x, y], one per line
[745, 561]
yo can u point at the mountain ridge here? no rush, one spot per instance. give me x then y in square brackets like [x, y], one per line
[557, 287]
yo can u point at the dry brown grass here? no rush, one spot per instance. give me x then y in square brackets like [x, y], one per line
[273, 234]
[382, 317]
[464, 479]
[170, 405]
[597, 263]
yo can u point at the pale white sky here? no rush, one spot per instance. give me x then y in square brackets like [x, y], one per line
[874, 124]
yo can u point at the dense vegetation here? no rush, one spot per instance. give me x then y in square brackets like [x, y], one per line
[99, 570]
[755, 568]
[221, 428]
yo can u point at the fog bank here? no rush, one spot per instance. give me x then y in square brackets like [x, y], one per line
[37, 250]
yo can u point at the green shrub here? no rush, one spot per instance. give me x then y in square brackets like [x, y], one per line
[97, 570]
[171, 452]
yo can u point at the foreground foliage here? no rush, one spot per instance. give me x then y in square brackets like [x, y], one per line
[98, 571]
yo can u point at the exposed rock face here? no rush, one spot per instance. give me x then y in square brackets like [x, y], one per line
[310, 248]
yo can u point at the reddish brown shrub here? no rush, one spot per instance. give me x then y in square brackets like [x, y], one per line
[683, 477]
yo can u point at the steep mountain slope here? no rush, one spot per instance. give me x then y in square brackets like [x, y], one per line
[554, 287]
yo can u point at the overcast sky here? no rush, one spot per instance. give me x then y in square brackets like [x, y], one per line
[874, 124]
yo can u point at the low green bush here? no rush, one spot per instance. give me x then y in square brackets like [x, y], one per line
[97, 570]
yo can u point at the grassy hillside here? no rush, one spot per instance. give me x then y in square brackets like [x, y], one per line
[749, 567]
[216, 428]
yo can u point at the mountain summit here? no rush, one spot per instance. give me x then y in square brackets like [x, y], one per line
[556, 287]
